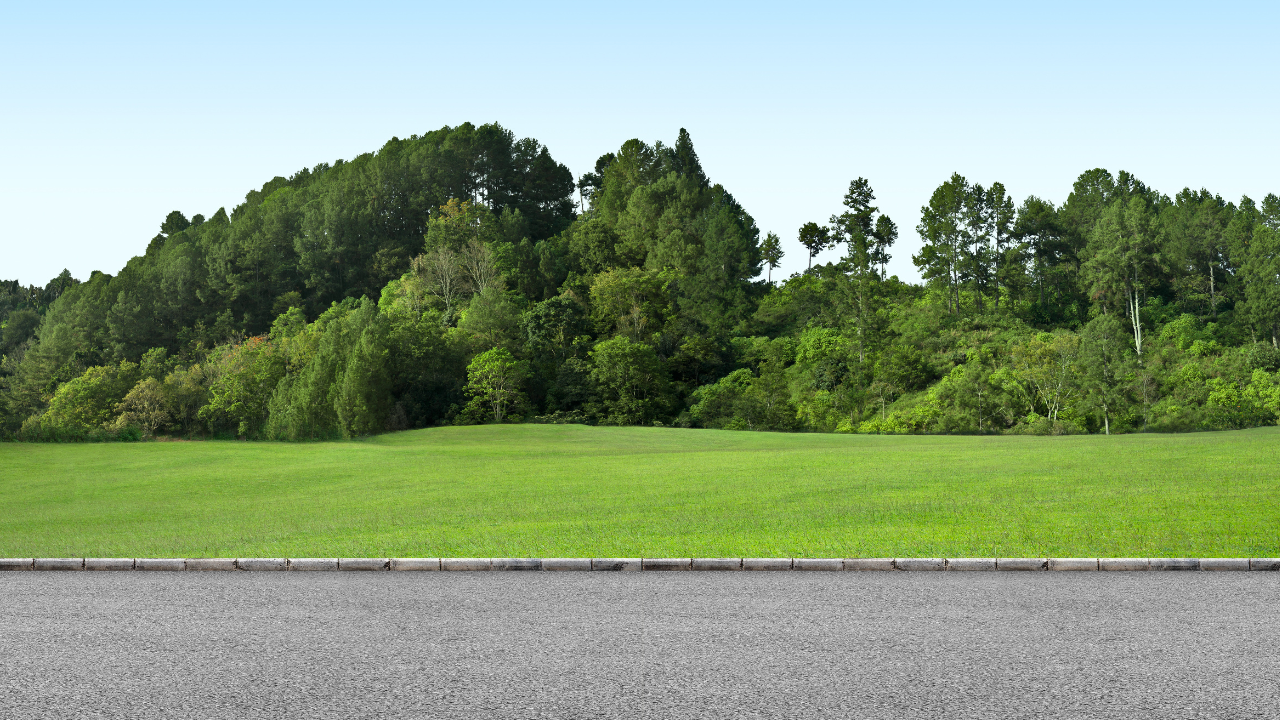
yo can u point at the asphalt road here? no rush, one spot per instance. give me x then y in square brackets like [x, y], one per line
[647, 645]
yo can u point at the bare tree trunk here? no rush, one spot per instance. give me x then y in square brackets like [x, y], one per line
[1135, 318]
[1213, 298]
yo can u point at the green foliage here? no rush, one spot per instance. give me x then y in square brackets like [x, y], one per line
[631, 380]
[84, 404]
[1119, 310]
[343, 389]
[146, 407]
[242, 379]
[494, 378]
[743, 401]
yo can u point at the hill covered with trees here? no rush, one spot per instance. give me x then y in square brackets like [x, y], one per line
[463, 276]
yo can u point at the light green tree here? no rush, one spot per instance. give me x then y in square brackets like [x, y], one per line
[771, 252]
[632, 381]
[145, 407]
[494, 378]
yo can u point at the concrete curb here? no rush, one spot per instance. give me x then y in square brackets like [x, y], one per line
[820, 564]
[163, 564]
[666, 564]
[971, 564]
[517, 563]
[258, 564]
[1124, 564]
[470, 564]
[364, 564]
[415, 564]
[108, 563]
[1174, 564]
[567, 564]
[1073, 564]
[766, 563]
[717, 563]
[59, 563]
[617, 564]
[1022, 564]
[919, 564]
[648, 564]
[868, 564]
[202, 564]
[313, 564]
[1224, 564]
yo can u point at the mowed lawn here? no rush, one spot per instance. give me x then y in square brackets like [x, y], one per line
[572, 491]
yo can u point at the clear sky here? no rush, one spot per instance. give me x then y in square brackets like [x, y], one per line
[110, 117]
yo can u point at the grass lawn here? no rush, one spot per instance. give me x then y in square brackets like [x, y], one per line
[546, 491]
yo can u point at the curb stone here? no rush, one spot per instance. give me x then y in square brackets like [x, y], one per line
[1073, 564]
[108, 563]
[313, 564]
[258, 564]
[566, 564]
[202, 564]
[1123, 564]
[163, 564]
[868, 564]
[971, 563]
[415, 564]
[649, 564]
[666, 564]
[617, 564]
[1221, 564]
[471, 564]
[1175, 564]
[364, 564]
[1022, 564]
[59, 563]
[766, 563]
[517, 563]
[824, 564]
[919, 563]
[717, 563]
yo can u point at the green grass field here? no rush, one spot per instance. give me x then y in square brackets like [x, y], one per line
[543, 491]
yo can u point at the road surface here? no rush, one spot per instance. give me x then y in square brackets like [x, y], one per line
[639, 645]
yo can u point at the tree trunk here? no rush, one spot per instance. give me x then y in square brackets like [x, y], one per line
[1213, 298]
[1135, 317]
[997, 274]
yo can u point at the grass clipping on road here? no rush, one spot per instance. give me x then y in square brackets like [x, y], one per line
[573, 491]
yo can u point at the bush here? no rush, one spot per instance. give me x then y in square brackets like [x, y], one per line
[632, 382]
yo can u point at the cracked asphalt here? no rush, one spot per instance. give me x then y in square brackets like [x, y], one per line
[639, 645]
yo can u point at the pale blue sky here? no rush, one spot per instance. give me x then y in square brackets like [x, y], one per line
[112, 117]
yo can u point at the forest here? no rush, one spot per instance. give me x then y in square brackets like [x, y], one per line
[464, 276]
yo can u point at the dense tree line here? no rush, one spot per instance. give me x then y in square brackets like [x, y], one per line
[464, 277]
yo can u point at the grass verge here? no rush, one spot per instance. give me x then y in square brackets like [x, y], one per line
[548, 491]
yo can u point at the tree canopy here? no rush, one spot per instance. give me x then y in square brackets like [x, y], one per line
[457, 277]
